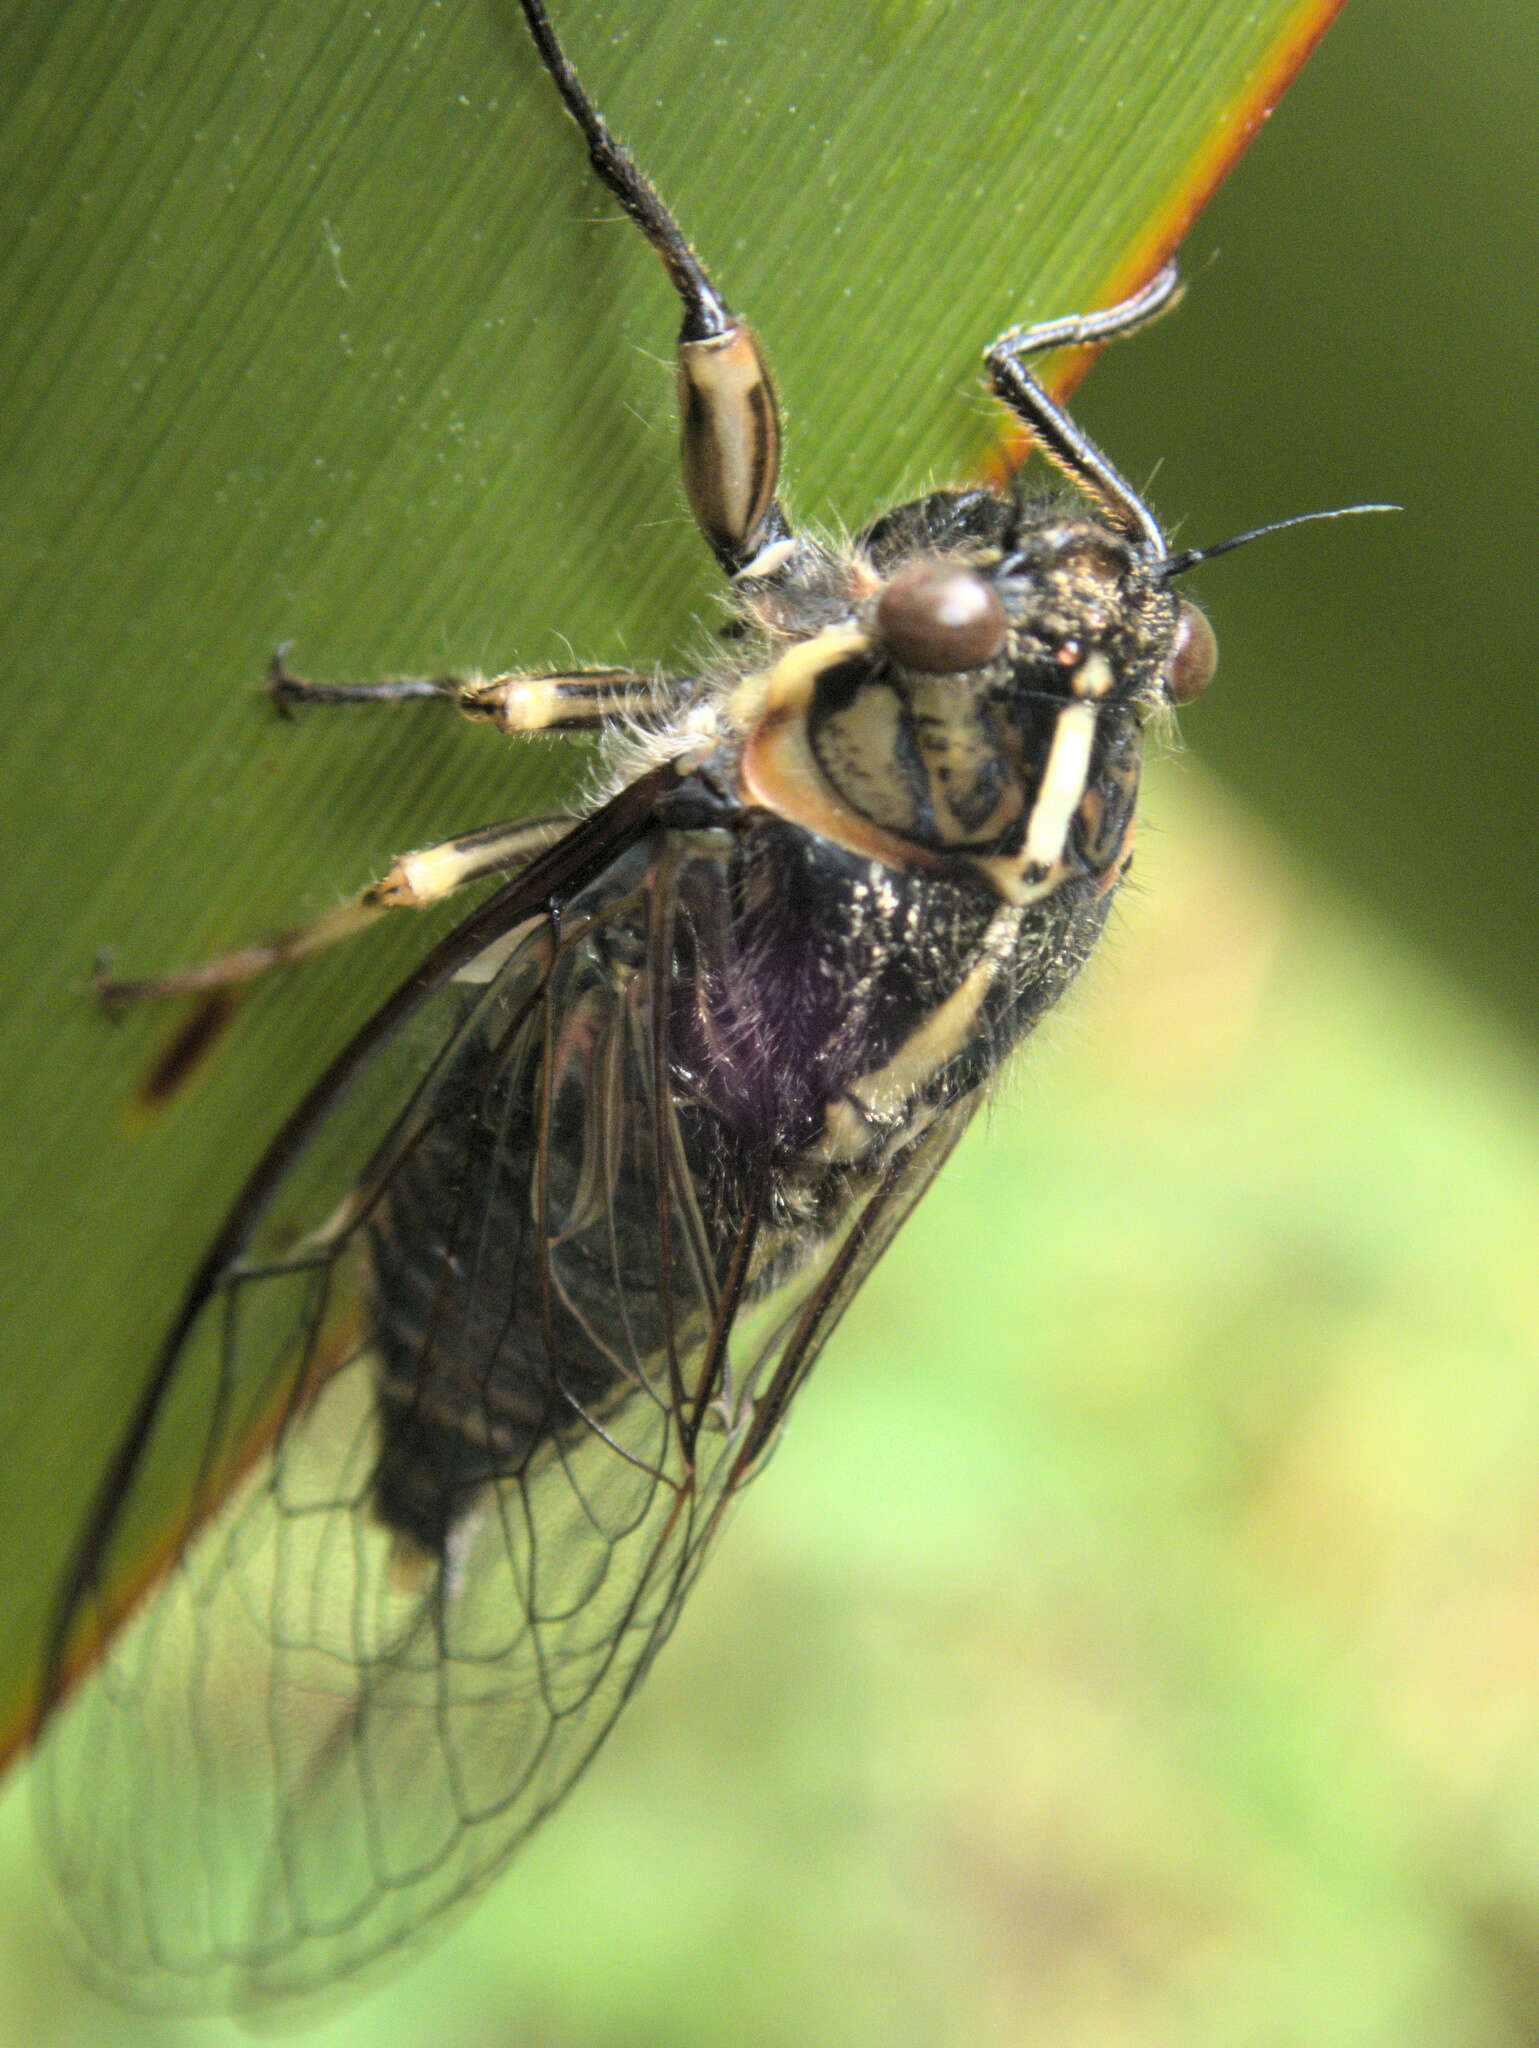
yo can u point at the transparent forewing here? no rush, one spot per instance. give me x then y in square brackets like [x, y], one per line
[469, 1393]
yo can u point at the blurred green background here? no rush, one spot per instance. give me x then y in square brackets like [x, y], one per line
[1136, 1640]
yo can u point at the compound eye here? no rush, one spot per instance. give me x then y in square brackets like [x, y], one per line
[1193, 658]
[940, 619]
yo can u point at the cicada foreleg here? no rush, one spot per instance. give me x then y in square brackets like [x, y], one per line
[1060, 440]
[729, 418]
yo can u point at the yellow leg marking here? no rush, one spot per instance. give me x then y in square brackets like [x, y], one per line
[563, 700]
[416, 881]
[519, 701]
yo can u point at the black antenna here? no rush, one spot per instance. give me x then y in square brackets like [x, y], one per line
[1177, 565]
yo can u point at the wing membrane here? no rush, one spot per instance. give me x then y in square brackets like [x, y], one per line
[472, 1381]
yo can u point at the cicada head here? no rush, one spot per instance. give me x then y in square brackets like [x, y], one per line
[976, 700]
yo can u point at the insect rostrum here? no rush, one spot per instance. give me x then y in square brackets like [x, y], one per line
[520, 1294]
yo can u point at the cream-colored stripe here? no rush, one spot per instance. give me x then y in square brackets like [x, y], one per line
[1063, 784]
[947, 1031]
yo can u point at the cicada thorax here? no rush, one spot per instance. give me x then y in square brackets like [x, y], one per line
[958, 756]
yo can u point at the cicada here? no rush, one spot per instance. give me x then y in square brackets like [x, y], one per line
[520, 1295]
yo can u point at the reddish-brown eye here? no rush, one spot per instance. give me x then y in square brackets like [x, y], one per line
[1194, 657]
[940, 619]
